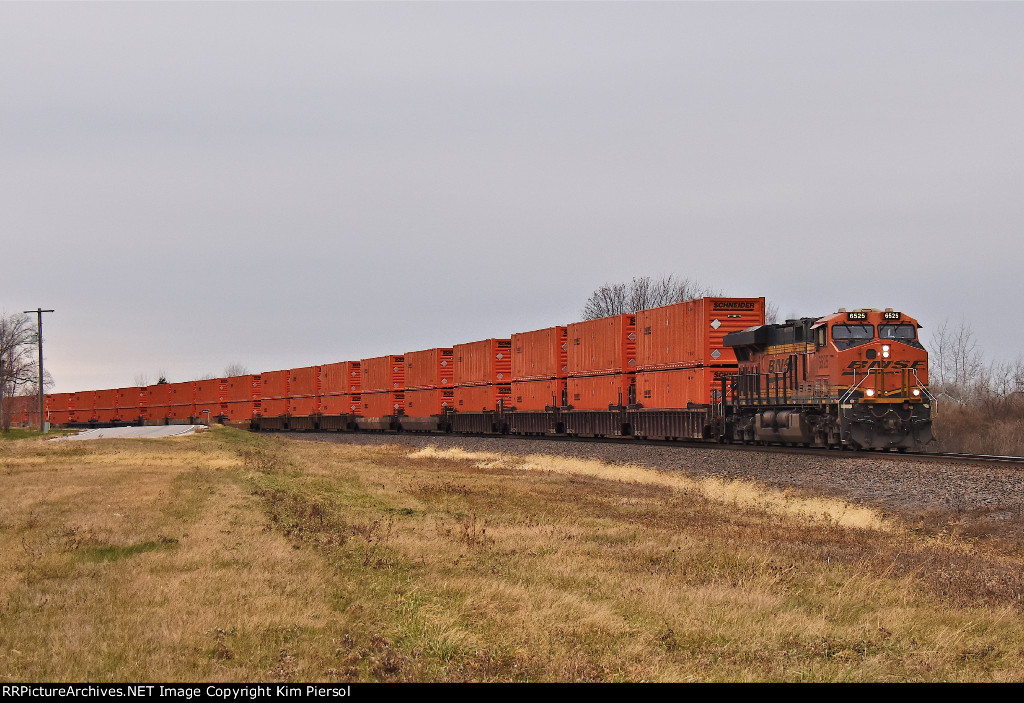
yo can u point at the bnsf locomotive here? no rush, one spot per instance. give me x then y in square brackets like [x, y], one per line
[853, 378]
[706, 369]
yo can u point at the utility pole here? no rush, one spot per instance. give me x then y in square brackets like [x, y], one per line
[42, 394]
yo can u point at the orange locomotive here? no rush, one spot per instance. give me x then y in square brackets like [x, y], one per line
[857, 378]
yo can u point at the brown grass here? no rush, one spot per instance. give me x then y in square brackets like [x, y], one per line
[995, 426]
[230, 556]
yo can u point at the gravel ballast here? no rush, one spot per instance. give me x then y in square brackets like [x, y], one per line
[974, 498]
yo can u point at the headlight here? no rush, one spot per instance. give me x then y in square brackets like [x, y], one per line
[917, 392]
[885, 347]
[870, 392]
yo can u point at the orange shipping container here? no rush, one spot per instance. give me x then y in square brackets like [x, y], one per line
[424, 402]
[340, 378]
[598, 392]
[23, 409]
[678, 388]
[209, 396]
[57, 402]
[382, 373]
[603, 346]
[273, 407]
[82, 406]
[474, 399]
[238, 410]
[157, 396]
[690, 333]
[430, 368]
[58, 417]
[274, 384]
[486, 361]
[540, 354]
[210, 391]
[303, 406]
[539, 394]
[58, 408]
[181, 393]
[130, 402]
[382, 403]
[181, 412]
[239, 389]
[181, 400]
[104, 400]
[304, 382]
[340, 404]
[102, 414]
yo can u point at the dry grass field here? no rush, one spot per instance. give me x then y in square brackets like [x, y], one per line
[994, 427]
[228, 556]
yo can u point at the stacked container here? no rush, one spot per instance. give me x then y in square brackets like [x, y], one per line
[540, 365]
[429, 381]
[181, 401]
[57, 408]
[104, 406]
[340, 385]
[242, 397]
[209, 395]
[157, 404]
[274, 393]
[80, 406]
[681, 357]
[483, 375]
[382, 386]
[601, 362]
[304, 391]
[22, 410]
[131, 403]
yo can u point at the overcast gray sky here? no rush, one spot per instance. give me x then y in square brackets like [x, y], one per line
[191, 185]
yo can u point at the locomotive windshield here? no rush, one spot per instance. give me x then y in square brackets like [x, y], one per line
[897, 331]
[846, 336]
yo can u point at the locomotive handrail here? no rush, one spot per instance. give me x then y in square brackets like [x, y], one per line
[849, 393]
[928, 393]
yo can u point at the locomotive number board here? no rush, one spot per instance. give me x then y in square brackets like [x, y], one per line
[861, 315]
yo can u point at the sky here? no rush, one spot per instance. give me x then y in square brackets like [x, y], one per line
[193, 185]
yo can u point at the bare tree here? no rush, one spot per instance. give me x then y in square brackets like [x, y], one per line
[235, 369]
[956, 365]
[141, 379]
[643, 293]
[19, 370]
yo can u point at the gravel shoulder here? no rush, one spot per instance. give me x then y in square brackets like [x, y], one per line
[973, 500]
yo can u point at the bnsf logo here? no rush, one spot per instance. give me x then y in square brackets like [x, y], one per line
[779, 365]
[892, 364]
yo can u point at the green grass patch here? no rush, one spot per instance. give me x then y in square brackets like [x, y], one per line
[116, 552]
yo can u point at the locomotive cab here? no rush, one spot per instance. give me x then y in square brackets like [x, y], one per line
[854, 378]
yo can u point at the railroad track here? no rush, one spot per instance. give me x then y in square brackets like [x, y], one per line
[988, 458]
